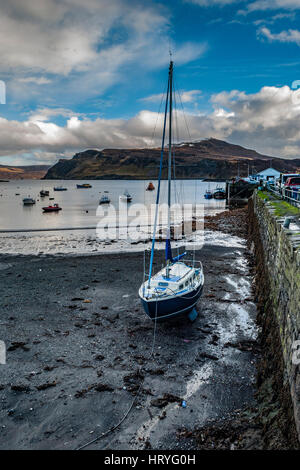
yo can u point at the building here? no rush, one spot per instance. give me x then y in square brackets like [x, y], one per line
[269, 174]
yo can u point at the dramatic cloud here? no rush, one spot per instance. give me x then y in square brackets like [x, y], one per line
[268, 121]
[63, 36]
[67, 51]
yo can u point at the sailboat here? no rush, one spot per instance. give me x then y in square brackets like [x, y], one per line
[175, 290]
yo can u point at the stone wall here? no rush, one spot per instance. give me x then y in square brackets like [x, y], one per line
[277, 253]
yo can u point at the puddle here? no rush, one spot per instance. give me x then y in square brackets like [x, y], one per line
[241, 324]
[241, 287]
[223, 239]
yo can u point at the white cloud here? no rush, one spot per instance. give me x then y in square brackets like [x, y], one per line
[211, 3]
[263, 5]
[60, 37]
[268, 121]
[37, 80]
[291, 35]
[67, 51]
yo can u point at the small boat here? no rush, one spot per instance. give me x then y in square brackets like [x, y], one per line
[85, 186]
[126, 197]
[44, 193]
[219, 193]
[104, 200]
[208, 194]
[60, 188]
[150, 187]
[28, 201]
[54, 208]
[175, 290]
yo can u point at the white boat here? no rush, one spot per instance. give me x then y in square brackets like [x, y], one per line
[104, 199]
[175, 290]
[28, 201]
[126, 196]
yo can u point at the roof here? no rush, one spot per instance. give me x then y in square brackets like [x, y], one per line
[269, 172]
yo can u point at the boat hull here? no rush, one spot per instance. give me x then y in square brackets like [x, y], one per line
[220, 195]
[174, 307]
[45, 209]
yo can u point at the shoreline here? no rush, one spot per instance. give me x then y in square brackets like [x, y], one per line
[79, 350]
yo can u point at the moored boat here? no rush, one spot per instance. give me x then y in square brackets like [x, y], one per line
[175, 290]
[28, 201]
[219, 193]
[60, 188]
[104, 200]
[150, 187]
[84, 186]
[126, 196]
[208, 194]
[54, 208]
[44, 193]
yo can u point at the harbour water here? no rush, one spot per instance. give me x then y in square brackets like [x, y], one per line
[27, 230]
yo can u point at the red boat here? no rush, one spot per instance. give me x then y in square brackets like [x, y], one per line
[150, 187]
[54, 208]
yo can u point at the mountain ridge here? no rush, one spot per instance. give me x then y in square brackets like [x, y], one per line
[9, 172]
[209, 158]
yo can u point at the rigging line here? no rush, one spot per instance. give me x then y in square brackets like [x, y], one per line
[159, 110]
[159, 181]
[151, 141]
[102, 435]
[184, 116]
[177, 196]
[113, 428]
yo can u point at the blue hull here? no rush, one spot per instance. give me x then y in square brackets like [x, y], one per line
[165, 309]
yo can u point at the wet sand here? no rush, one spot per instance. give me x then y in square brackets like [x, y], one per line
[79, 346]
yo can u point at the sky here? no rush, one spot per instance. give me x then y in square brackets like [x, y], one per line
[90, 74]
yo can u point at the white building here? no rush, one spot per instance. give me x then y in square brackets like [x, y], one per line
[269, 174]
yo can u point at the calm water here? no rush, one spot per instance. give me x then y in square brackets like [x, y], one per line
[74, 226]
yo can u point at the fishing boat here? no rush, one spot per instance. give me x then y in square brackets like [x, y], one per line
[208, 194]
[28, 201]
[54, 208]
[175, 290]
[44, 193]
[219, 193]
[150, 187]
[126, 196]
[104, 199]
[60, 188]
[84, 186]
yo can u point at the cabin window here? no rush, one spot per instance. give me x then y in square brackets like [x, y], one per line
[181, 286]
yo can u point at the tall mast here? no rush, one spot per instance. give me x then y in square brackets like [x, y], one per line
[170, 159]
[159, 180]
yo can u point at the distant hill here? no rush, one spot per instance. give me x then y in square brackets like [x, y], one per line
[209, 158]
[22, 172]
